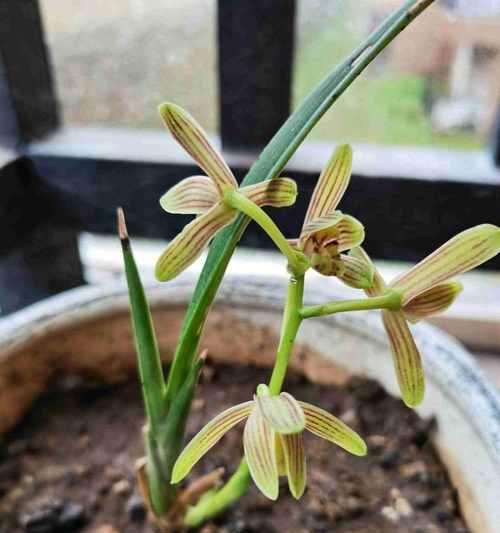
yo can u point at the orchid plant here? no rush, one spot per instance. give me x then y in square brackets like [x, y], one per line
[330, 243]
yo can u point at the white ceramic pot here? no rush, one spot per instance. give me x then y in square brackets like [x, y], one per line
[86, 332]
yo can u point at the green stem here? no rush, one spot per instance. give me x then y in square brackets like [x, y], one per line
[389, 300]
[270, 163]
[239, 482]
[297, 262]
[289, 330]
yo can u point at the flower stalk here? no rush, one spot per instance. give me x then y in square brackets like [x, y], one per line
[222, 210]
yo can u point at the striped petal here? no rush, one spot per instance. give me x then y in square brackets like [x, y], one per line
[283, 413]
[330, 428]
[406, 357]
[189, 244]
[194, 140]
[460, 254]
[260, 453]
[191, 196]
[432, 301]
[343, 232]
[208, 437]
[355, 272]
[378, 286]
[331, 185]
[322, 223]
[278, 192]
[295, 463]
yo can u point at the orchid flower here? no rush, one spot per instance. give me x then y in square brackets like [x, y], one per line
[204, 195]
[426, 290]
[272, 439]
[326, 232]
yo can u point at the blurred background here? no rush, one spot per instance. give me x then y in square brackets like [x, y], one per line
[438, 84]
[80, 82]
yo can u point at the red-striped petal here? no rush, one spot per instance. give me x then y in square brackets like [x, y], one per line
[432, 301]
[208, 437]
[194, 195]
[282, 412]
[330, 428]
[295, 463]
[195, 141]
[278, 192]
[463, 252]
[189, 244]
[406, 357]
[331, 185]
[260, 453]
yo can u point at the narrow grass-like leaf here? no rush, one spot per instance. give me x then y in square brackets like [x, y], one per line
[331, 185]
[330, 428]
[260, 453]
[279, 192]
[295, 463]
[208, 437]
[432, 301]
[195, 141]
[148, 356]
[406, 357]
[194, 195]
[282, 412]
[463, 252]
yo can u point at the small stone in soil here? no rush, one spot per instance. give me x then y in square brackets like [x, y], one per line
[424, 501]
[43, 519]
[136, 509]
[72, 517]
[389, 459]
[54, 516]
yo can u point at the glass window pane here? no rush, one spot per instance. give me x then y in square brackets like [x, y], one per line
[437, 84]
[116, 60]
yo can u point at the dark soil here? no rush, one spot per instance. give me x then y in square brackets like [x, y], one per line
[69, 466]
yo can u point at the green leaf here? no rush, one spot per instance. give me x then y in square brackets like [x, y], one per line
[330, 428]
[148, 355]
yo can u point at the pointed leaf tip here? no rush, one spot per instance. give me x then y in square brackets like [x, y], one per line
[121, 224]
